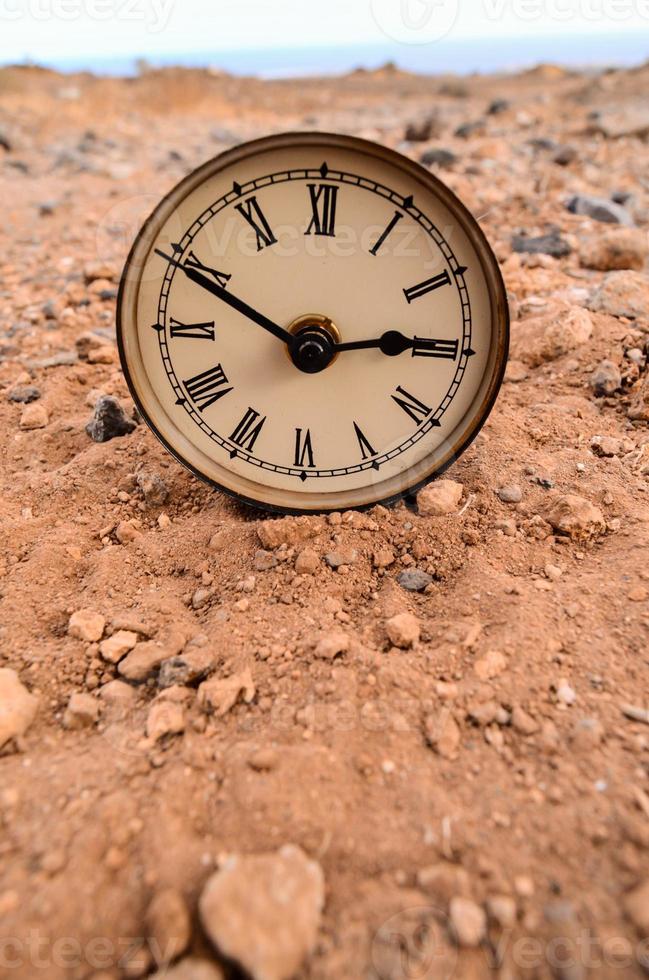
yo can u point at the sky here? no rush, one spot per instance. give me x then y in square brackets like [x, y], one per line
[48, 30]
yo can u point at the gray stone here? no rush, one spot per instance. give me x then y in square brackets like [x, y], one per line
[414, 579]
[109, 420]
[550, 244]
[600, 209]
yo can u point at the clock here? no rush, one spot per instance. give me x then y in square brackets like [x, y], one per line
[313, 322]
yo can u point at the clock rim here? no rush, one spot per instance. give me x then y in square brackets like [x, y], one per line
[500, 320]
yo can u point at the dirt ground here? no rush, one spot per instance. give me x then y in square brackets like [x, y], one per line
[210, 681]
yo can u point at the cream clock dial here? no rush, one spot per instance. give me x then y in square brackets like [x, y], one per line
[313, 322]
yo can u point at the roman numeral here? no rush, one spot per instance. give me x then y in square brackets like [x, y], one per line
[303, 448]
[411, 405]
[443, 279]
[367, 449]
[247, 431]
[207, 387]
[323, 205]
[435, 348]
[257, 221]
[193, 262]
[199, 331]
[397, 217]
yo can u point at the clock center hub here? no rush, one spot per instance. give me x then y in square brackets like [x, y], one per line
[314, 339]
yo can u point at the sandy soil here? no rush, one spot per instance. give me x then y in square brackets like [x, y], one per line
[472, 782]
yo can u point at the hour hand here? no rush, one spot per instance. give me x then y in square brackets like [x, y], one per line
[200, 274]
[393, 343]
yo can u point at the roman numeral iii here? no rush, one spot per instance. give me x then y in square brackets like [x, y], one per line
[198, 331]
[256, 219]
[248, 429]
[435, 348]
[323, 205]
[427, 286]
[303, 448]
[411, 405]
[207, 387]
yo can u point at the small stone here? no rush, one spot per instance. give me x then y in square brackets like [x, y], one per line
[264, 561]
[439, 498]
[126, 532]
[219, 695]
[109, 420]
[575, 517]
[498, 106]
[638, 594]
[442, 733]
[414, 579]
[168, 925]
[118, 693]
[538, 339]
[85, 624]
[34, 417]
[501, 909]
[622, 294]
[550, 244]
[383, 558]
[218, 541]
[263, 911]
[522, 722]
[490, 665]
[337, 559]
[510, 494]
[636, 906]
[146, 657]
[263, 760]
[82, 712]
[201, 597]
[468, 921]
[608, 446]
[421, 130]
[187, 668]
[24, 394]
[165, 718]
[599, 209]
[606, 379]
[287, 530]
[332, 645]
[439, 157]
[403, 630]
[307, 562]
[515, 372]
[619, 248]
[552, 572]
[117, 645]
[565, 693]
[17, 706]
[154, 488]
[564, 155]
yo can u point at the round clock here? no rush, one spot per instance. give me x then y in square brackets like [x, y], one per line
[313, 322]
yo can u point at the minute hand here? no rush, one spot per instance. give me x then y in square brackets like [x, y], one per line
[390, 343]
[233, 301]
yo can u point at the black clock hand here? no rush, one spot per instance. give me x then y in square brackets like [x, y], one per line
[237, 304]
[390, 343]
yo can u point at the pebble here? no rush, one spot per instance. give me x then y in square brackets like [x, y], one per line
[383, 558]
[24, 394]
[515, 372]
[263, 760]
[165, 718]
[543, 338]
[490, 665]
[338, 559]
[403, 630]
[564, 155]
[187, 668]
[468, 921]
[565, 693]
[332, 645]
[606, 379]
[85, 624]
[263, 911]
[264, 561]
[117, 692]
[599, 209]
[34, 416]
[636, 906]
[438, 157]
[126, 532]
[153, 487]
[146, 657]
[168, 925]
[414, 579]
[219, 695]
[619, 248]
[82, 711]
[608, 446]
[439, 498]
[622, 294]
[523, 722]
[421, 130]
[550, 244]
[287, 530]
[575, 517]
[118, 645]
[442, 733]
[17, 706]
[307, 562]
[501, 909]
[510, 494]
[109, 420]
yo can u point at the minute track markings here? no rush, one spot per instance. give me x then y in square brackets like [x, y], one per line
[384, 193]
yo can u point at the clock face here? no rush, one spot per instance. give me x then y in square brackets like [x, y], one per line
[313, 322]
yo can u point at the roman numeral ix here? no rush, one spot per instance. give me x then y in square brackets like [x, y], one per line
[323, 204]
[427, 286]
[256, 219]
[207, 387]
